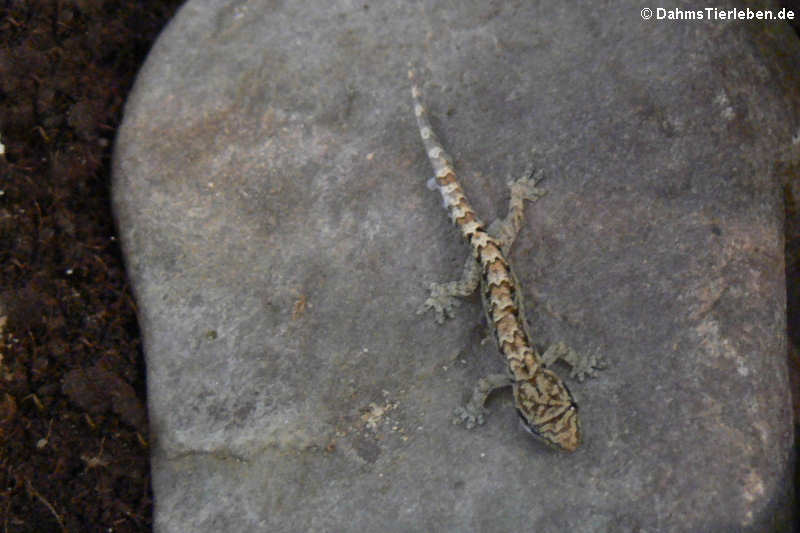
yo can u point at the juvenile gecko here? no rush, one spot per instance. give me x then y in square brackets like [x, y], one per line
[544, 403]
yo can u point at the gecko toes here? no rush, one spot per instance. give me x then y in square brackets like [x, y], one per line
[441, 302]
[588, 367]
[526, 189]
[467, 416]
[582, 365]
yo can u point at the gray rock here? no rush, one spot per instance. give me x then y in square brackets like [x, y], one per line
[269, 188]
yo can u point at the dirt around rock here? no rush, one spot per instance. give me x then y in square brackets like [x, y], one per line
[73, 426]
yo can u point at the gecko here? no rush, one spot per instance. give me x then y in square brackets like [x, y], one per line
[546, 408]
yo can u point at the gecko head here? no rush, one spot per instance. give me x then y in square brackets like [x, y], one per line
[548, 412]
[566, 440]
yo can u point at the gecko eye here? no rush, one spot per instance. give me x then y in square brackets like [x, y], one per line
[527, 426]
[534, 432]
[538, 436]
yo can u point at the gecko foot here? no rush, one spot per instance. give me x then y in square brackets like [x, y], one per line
[441, 301]
[582, 365]
[468, 416]
[473, 413]
[525, 187]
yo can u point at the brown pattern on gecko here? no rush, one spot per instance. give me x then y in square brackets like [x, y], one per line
[545, 405]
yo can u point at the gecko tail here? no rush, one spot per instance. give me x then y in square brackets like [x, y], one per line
[440, 160]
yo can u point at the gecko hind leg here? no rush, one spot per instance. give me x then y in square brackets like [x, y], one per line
[521, 189]
[474, 413]
[442, 297]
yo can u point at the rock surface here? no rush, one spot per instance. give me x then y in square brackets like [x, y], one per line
[269, 189]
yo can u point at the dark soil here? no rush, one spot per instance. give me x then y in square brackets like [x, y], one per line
[73, 424]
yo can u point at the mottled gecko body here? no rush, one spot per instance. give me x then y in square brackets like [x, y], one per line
[544, 403]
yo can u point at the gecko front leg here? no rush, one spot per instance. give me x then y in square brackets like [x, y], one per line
[581, 365]
[473, 412]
